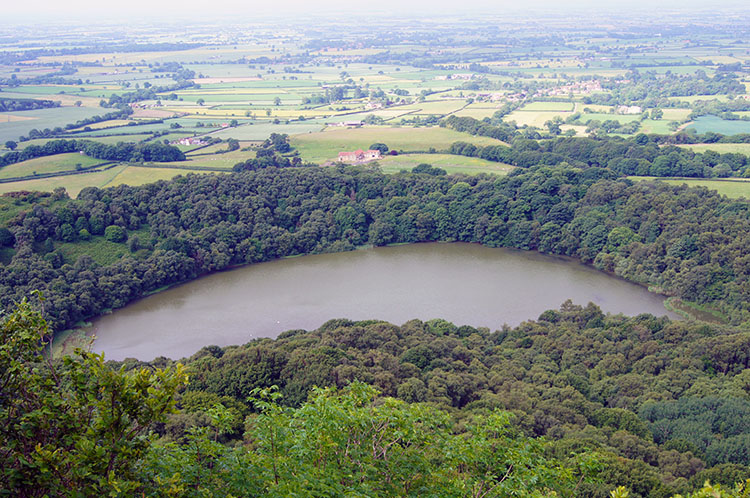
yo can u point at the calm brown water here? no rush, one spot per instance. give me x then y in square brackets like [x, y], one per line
[466, 284]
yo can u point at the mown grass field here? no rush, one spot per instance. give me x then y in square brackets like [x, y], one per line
[448, 162]
[720, 148]
[325, 146]
[48, 164]
[733, 188]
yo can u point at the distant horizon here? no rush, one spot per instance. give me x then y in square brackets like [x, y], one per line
[141, 11]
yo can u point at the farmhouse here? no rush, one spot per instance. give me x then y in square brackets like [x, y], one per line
[359, 156]
[190, 141]
[348, 124]
[629, 109]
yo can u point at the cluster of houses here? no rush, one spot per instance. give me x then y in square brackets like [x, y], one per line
[359, 156]
[347, 124]
[189, 141]
[579, 87]
[457, 76]
[629, 109]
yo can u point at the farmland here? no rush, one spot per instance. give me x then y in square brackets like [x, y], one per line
[330, 98]
[325, 146]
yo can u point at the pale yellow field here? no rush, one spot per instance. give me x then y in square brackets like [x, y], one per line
[676, 114]
[72, 183]
[534, 118]
[10, 118]
[720, 148]
[105, 124]
[226, 79]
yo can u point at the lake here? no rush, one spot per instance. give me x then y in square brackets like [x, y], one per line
[466, 284]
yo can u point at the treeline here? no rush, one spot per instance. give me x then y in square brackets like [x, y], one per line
[641, 155]
[650, 89]
[14, 105]
[126, 152]
[34, 133]
[688, 242]
[500, 131]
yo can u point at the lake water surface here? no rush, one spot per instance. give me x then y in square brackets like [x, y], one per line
[466, 284]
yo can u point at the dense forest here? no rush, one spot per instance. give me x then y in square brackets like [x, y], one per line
[687, 242]
[120, 152]
[9, 105]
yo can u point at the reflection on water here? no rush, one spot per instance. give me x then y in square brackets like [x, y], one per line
[463, 283]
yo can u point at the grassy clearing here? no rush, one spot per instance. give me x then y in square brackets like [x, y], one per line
[450, 163]
[48, 164]
[325, 146]
[101, 250]
[731, 187]
[72, 183]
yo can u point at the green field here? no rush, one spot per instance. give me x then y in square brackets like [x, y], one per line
[733, 188]
[450, 163]
[660, 126]
[325, 146]
[48, 164]
[720, 148]
[72, 183]
[16, 124]
[717, 125]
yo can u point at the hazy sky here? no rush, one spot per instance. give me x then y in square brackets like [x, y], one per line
[145, 9]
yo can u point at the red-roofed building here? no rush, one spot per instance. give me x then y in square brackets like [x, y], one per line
[359, 156]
